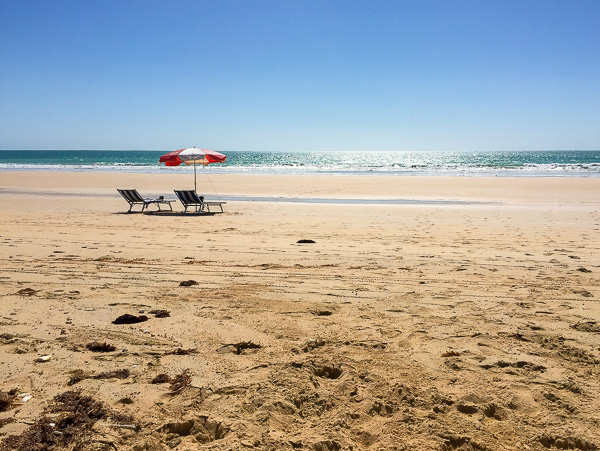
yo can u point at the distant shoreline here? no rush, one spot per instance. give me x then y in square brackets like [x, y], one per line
[462, 164]
[160, 170]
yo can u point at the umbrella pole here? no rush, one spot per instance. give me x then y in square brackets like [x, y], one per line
[195, 190]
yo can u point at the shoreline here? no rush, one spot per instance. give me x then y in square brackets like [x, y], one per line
[240, 187]
[506, 173]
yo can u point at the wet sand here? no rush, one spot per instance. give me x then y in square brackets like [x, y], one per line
[471, 323]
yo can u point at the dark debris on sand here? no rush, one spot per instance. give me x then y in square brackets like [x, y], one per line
[323, 313]
[69, 425]
[117, 374]
[7, 400]
[130, 319]
[181, 351]
[450, 354]
[161, 379]
[239, 348]
[180, 381]
[160, 313]
[188, 283]
[177, 383]
[79, 375]
[96, 346]
[5, 421]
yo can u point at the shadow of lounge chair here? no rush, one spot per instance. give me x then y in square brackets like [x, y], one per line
[134, 198]
[189, 198]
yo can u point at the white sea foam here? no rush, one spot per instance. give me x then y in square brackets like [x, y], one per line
[528, 164]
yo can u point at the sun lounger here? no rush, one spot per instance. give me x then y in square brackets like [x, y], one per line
[134, 198]
[189, 198]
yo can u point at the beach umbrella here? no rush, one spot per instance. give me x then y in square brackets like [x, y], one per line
[192, 156]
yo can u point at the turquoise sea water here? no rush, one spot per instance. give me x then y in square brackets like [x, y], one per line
[524, 163]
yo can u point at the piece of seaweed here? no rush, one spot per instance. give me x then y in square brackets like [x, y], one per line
[130, 319]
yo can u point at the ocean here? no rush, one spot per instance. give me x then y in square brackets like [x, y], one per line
[518, 163]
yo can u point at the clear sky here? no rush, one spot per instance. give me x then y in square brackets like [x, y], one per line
[312, 75]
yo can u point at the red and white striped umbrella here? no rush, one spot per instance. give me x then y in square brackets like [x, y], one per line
[193, 156]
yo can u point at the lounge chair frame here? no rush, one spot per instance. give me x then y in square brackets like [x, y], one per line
[189, 198]
[134, 198]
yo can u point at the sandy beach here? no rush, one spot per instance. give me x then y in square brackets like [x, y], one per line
[463, 316]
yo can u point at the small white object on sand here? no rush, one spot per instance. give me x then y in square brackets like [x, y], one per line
[44, 358]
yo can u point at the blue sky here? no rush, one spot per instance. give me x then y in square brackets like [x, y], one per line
[300, 75]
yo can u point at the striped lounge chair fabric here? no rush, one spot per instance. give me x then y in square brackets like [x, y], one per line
[134, 198]
[189, 198]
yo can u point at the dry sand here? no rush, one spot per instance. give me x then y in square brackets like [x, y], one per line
[472, 324]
